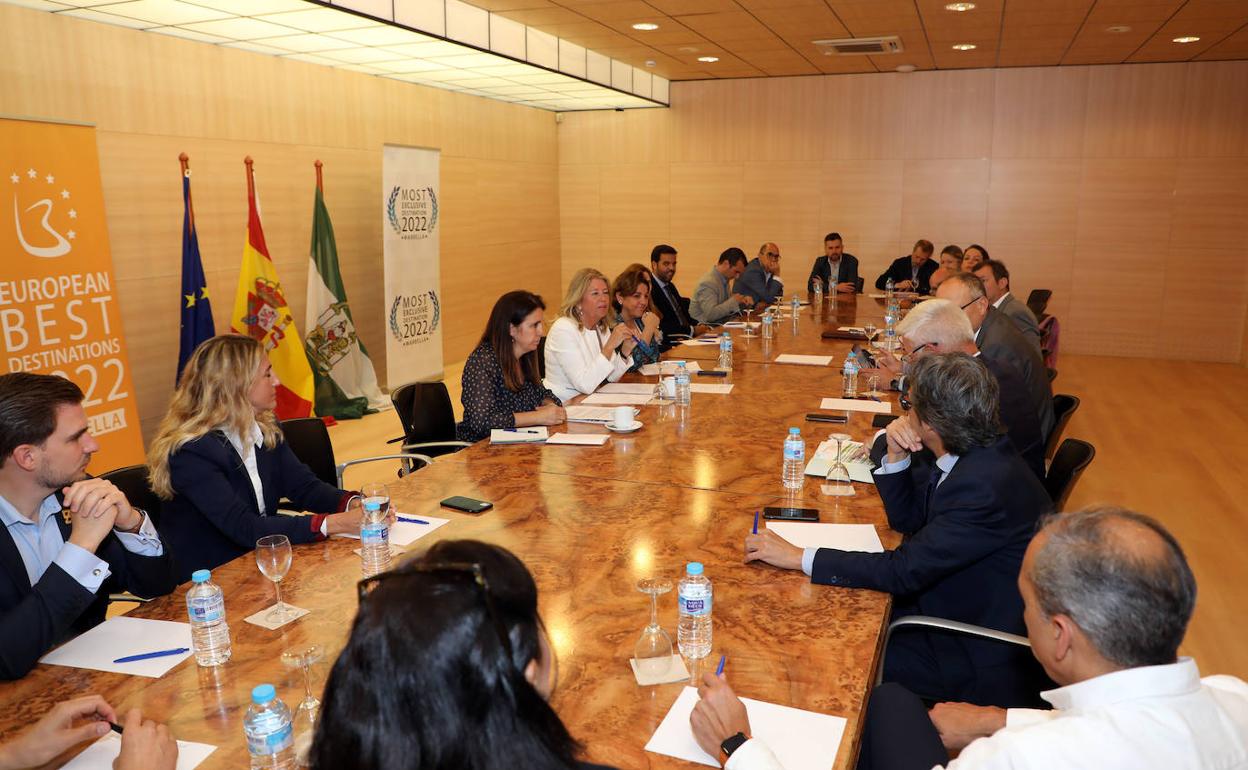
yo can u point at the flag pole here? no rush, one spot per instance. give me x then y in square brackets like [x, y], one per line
[320, 185]
[251, 178]
[185, 160]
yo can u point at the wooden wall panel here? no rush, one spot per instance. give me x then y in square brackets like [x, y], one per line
[153, 96]
[634, 198]
[1094, 182]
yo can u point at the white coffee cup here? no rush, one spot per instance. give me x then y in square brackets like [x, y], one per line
[622, 417]
[669, 387]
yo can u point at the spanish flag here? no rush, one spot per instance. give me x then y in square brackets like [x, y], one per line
[261, 312]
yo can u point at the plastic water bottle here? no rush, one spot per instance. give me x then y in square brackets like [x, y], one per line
[890, 326]
[795, 305]
[682, 385]
[725, 352]
[849, 377]
[374, 539]
[769, 330]
[818, 291]
[693, 597]
[794, 460]
[210, 636]
[889, 288]
[270, 735]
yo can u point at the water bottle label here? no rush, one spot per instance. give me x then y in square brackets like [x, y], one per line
[374, 534]
[205, 609]
[273, 743]
[695, 600]
[794, 451]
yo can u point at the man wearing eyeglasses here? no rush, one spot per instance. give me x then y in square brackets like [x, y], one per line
[760, 280]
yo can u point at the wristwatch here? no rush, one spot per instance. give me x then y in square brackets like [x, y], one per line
[732, 743]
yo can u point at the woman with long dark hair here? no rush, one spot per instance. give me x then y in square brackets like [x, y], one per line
[501, 384]
[448, 667]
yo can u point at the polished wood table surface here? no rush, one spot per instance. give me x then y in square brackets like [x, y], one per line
[589, 522]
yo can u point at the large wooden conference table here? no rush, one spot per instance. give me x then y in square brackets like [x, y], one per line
[589, 522]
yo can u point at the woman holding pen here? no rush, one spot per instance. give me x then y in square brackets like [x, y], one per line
[631, 298]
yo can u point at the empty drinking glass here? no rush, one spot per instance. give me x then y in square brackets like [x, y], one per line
[837, 480]
[273, 558]
[653, 650]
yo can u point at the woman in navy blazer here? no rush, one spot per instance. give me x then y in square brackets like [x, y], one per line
[221, 464]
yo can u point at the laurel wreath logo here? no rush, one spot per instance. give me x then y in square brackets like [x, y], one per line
[391, 214]
[433, 295]
[394, 318]
[433, 213]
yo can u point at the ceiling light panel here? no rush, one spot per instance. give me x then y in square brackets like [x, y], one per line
[166, 12]
[316, 19]
[107, 18]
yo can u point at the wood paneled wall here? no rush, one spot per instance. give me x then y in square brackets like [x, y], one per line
[152, 96]
[1124, 189]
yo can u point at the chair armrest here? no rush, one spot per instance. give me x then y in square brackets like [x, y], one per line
[406, 457]
[428, 444]
[942, 624]
[126, 598]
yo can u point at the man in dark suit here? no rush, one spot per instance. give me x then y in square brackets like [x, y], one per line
[761, 281]
[845, 279]
[997, 337]
[674, 319]
[912, 273]
[996, 278]
[968, 520]
[69, 541]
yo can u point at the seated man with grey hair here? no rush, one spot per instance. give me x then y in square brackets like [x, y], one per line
[968, 518]
[1108, 595]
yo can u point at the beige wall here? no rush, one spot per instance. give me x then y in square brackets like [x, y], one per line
[153, 96]
[1124, 189]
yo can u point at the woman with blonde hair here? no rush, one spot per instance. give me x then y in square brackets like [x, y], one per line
[221, 465]
[581, 352]
[631, 298]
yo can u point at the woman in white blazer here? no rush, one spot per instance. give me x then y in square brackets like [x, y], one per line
[580, 350]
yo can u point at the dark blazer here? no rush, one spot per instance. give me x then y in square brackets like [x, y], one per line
[900, 271]
[961, 558]
[213, 517]
[672, 321]
[755, 283]
[847, 272]
[34, 619]
[1022, 317]
[999, 338]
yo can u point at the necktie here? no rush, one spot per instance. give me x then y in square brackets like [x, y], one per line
[680, 311]
[932, 481]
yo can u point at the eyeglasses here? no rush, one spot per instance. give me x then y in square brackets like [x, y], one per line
[972, 302]
[472, 571]
[772, 255]
[905, 403]
[915, 352]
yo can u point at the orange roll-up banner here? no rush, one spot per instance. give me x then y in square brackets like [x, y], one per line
[58, 298]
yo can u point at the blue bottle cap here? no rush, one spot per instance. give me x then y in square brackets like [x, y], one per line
[200, 576]
[263, 693]
[794, 432]
[694, 568]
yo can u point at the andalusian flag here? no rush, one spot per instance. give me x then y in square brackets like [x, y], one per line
[346, 385]
[261, 312]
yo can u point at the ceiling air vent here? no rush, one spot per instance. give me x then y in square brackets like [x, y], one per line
[857, 46]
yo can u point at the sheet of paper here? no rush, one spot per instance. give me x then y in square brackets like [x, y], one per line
[742, 324]
[857, 405]
[403, 533]
[579, 439]
[635, 388]
[592, 414]
[843, 537]
[100, 755]
[518, 436]
[261, 618]
[721, 390]
[701, 341]
[791, 358]
[854, 455]
[669, 367]
[674, 672]
[120, 637]
[801, 740]
[630, 399]
[858, 329]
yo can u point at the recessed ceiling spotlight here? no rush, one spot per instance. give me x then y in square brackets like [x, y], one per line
[960, 7]
[645, 26]
[1186, 39]
[687, 49]
[708, 59]
[651, 63]
[905, 68]
[1118, 29]
[964, 47]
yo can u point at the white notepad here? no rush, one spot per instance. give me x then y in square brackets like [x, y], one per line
[859, 470]
[791, 358]
[579, 439]
[403, 533]
[635, 388]
[842, 537]
[121, 637]
[701, 341]
[669, 367]
[592, 414]
[100, 755]
[721, 390]
[801, 740]
[518, 436]
[628, 399]
[857, 405]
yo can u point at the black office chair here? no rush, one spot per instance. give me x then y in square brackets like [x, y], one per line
[541, 357]
[308, 438]
[859, 284]
[1064, 407]
[424, 409]
[1071, 460]
[133, 482]
[1038, 303]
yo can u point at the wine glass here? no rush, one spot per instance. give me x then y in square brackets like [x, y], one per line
[378, 493]
[749, 311]
[273, 558]
[304, 717]
[869, 329]
[653, 650]
[837, 480]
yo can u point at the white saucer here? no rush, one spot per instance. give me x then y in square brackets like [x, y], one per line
[635, 426]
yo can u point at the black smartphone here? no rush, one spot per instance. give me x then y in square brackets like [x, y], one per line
[865, 360]
[882, 420]
[466, 504]
[840, 419]
[791, 514]
[712, 373]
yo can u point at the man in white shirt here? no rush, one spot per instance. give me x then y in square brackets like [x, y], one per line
[996, 278]
[68, 540]
[1108, 596]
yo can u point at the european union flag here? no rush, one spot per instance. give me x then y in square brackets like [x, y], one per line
[196, 309]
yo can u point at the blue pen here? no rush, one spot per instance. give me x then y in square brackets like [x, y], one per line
[150, 655]
[720, 671]
[410, 520]
[755, 522]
